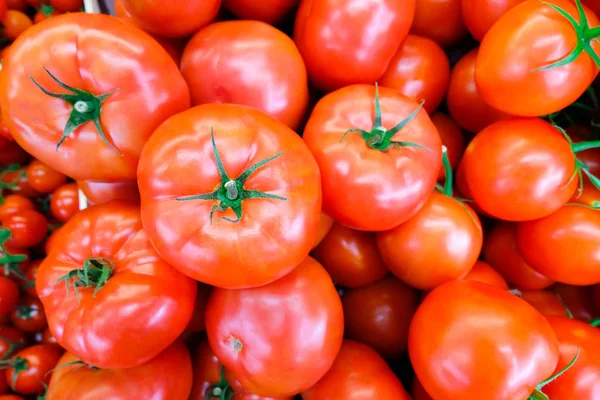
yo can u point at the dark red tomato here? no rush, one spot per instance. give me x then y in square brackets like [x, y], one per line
[43, 178]
[10, 397]
[64, 202]
[27, 228]
[269, 11]
[30, 367]
[418, 391]
[14, 23]
[440, 20]
[48, 338]
[363, 44]
[484, 272]
[500, 250]
[11, 340]
[513, 338]
[480, 15]
[29, 315]
[3, 8]
[67, 5]
[439, 244]
[358, 373]
[588, 195]
[44, 12]
[352, 194]
[545, 301]
[9, 295]
[103, 192]
[379, 315]
[260, 333]
[34, 3]
[173, 46]
[350, 257]
[20, 5]
[196, 324]
[452, 137]
[19, 180]
[577, 300]
[593, 5]
[465, 104]
[419, 70]
[548, 245]
[13, 204]
[31, 276]
[325, 225]
[528, 37]
[11, 153]
[596, 298]
[243, 49]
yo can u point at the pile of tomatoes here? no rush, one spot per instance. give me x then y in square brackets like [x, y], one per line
[300, 199]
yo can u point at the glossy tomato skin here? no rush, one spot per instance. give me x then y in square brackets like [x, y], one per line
[220, 58]
[545, 301]
[64, 202]
[439, 244]
[103, 192]
[250, 249]
[197, 323]
[11, 340]
[484, 272]
[168, 376]
[31, 275]
[352, 194]
[350, 257]
[269, 11]
[325, 225]
[29, 315]
[358, 373]
[9, 295]
[480, 15]
[27, 228]
[14, 23]
[13, 203]
[363, 44]
[43, 178]
[148, 300]
[439, 20]
[41, 359]
[258, 333]
[3, 8]
[150, 89]
[529, 36]
[452, 137]
[67, 5]
[504, 345]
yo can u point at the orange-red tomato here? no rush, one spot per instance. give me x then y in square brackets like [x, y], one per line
[480, 15]
[440, 20]
[545, 301]
[3, 9]
[19, 183]
[484, 272]
[325, 225]
[36, 363]
[43, 178]
[31, 276]
[452, 137]
[14, 23]
[103, 192]
[64, 202]
[27, 228]
[269, 11]
[14, 203]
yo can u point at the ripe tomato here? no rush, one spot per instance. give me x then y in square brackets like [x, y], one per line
[545, 301]
[67, 5]
[357, 373]
[27, 228]
[480, 15]
[44, 12]
[500, 250]
[514, 338]
[3, 9]
[196, 323]
[168, 376]
[247, 48]
[577, 300]
[10, 397]
[9, 295]
[517, 53]
[440, 20]
[11, 152]
[11, 340]
[269, 11]
[350, 141]
[14, 23]
[178, 18]
[43, 178]
[149, 302]
[13, 204]
[30, 367]
[351, 257]
[235, 203]
[484, 272]
[20, 5]
[64, 202]
[325, 225]
[452, 137]
[259, 333]
[29, 315]
[365, 40]
[103, 192]
[48, 338]
[50, 241]
[18, 183]
[418, 391]
[112, 118]
[30, 278]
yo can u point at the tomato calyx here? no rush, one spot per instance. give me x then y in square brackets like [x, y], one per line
[220, 390]
[12, 184]
[86, 108]
[12, 347]
[595, 323]
[538, 394]
[230, 193]
[25, 311]
[9, 260]
[580, 167]
[95, 273]
[46, 9]
[19, 364]
[380, 138]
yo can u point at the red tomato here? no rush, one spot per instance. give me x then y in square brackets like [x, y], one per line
[594, 5]
[9, 295]
[325, 225]
[351, 257]
[452, 137]
[350, 140]
[34, 3]
[110, 124]
[10, 397]
[18, 182]
[260, 333]
[11, 152]
[196, 324]
[11, 340]
[13, 204]
[28, 315]
[269, 11]
[246, 49]
[577, 300]
[67, 5]
[31, 277]
[528, 37]
[465, 104]
[480, 15]
[43, 178]
[167, 376]
[14, 23]
[367, 35]
[30, 368]
[357, 373]
[177, 18]
[44, 12]
[3, 9]
[50, 241]
[418, 391]
[48, 338]
[64, 202]
[149, 302]
[20, 5]
[545, 301]
[514, 338]
[201, 230]
[102, 192]
[440, 20]
[172, 46]
[27, 228]
[484, 272]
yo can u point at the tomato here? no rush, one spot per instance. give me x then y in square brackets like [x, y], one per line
[50, 241]
[577, 300]
[3, 9]
[44, 12]
[350, 141]
[14, 23]
[365, 40]
[452, 137]
[11, 152]
[484, 272]
[440, 20]
[178, 18]
[67, 5]
[149, 302]
[593, 5]
[500, 250]
[13, 204]
[480, 15]
[591, 157]
[64, 202]
[269, 11]
[351, 257]
[27, 228]
[20, 5]
[43, 178]
[117, 109]
[199, 225]
[196, 324]
[18, 182]
[28, 315]
[418, 391]
[325, 225]
[518, 52]
[357, 373]
[102, 192]
[11, 340]
[172, 46]
[547, 245]
[9, 295]
[247, 48]
[259, 333]
[545, 301]
[168, 376]
[34, 3]
[514, 338]
[10, 397]
[31, 276]
[30, 367]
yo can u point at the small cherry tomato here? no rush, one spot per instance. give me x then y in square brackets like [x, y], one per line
[9, 295]
[484, 272]
[452, 137]
[43, 178]
[440, 20]
[64, 202]
[30, 367]
[11, 340]
[29, 315]
[14, 23]
[44, 12]
[19, 184]
[13, 204]
[31, 275]
[27, 228]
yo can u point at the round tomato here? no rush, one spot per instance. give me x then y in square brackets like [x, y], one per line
[15, 179]
[440, 20]
[43, 178]
[577, 300]
[484, 272]
[418, 391]
[325, 225]
[10, 397]
[480, 15]
[365, 40]
[3, 9]
[29, 369]
[98, 130]
[29, 315]
[545, 301]
[102, 263]
[269, 11]
[102, 192]
[31, 277]
[67, 5]
[448, 343]
[14, 23]
[20, 5]
[260, 333]
[44, 12]
[353, 132]
[196, 323]
[64, 202]
[452, 137]
[27, 228]
[239, 188]
[11, 153]
[13, 204]
[245, 49]
[11, 340]
[9, 295]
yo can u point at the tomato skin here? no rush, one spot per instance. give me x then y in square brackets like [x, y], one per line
[168, 376]
[418, 391]
[405, 176]
[41, 358]
[11, 152]
[480, 15]
[247, 48]
[10, 397]
[67, 5]
[20, 5]
[64, 202]
[278, 315]
[196, 323]
[148, 300]
[9, 333]
[452, 137]
[437, 335]
[149, 75]
[363, 44]
[9, 295]
[43, 178]
[484, 272]
[439, 20]
[103, 192]
[27, 228]
[13, 204]
[28, 315]
[325, 225]
[439, 244]
[250, 249]
[31, 274]
[41, 16]
[529, 36]
[357, 373]
[19, 179]
[577, 300]
[545, 301]
[14, 23]
[3, 9]
[269, 11]
[350, 257]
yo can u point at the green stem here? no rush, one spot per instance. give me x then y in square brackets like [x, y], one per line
[95, 273]
[595, 323]
[448, 170]
[220, 390]
[583, 146]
